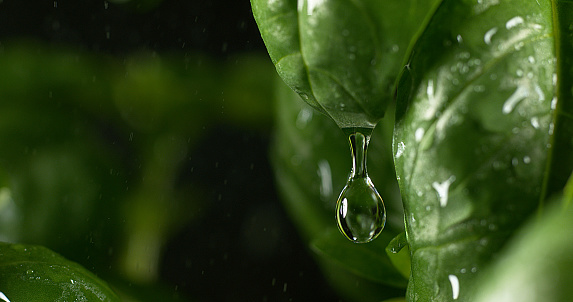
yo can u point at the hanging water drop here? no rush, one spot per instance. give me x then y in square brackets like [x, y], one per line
[360, 211]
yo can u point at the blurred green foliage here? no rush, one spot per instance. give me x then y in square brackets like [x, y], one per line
[93, 145]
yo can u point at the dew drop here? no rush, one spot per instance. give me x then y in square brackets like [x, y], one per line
[3, 297]
[360, 211]
[488, 35]
[535, 122]
[419, 134]
[519, 94]
[443, 189]
[400, 151]
[455, 286]
[513, 22]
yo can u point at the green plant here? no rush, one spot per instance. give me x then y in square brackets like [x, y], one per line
[35, 273]
[481, 140]
[92, 162]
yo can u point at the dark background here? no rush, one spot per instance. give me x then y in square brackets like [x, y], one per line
[243, 248]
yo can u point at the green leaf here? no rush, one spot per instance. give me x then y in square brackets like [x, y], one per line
[35, 273]
[399, 253]
[479, 121]
[312, 160]
[341, 57]
[364, 260]
[537, 264]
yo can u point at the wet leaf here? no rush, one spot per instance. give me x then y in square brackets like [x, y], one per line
[34, 273]
[537, 264]
[479, 122]
[399, 253]
[364, 260]
[341, 57]
[312, 159]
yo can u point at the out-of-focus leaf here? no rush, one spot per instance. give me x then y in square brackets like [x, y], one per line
[536, 265]
[341, 57]
[159, 94]
[34, 273]
[94, 147]
[57, 119]
[364, 260]
[477, 116]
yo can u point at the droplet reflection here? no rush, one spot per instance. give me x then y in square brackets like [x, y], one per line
[360, 211]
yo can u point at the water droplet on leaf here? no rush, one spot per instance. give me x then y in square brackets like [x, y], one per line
[360, 211]
[455, 286]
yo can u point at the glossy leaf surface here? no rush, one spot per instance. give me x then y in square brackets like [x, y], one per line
[341, 57]
[311, 160]
[537, 265]
[477, 115]
[34, 273]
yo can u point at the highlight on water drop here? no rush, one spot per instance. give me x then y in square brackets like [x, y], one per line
[360, 211]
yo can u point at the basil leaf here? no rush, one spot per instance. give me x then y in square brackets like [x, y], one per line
[35, 273]
[364, 260]
[311, 160]
[537, 265]
[477, 118]
[341, 57]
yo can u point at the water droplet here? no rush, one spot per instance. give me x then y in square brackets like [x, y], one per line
[360, 211]
[539, 92]
[419, 134]
[304, 117]
[519, 73]
[554, 103]
[513, 22]
[311, 6]
[325, 176]
[535, 122]
[488, 35]
[3, 297]
[526, 159]
[443, 189]
[400, 150]
[455, 286]
[519, 94]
